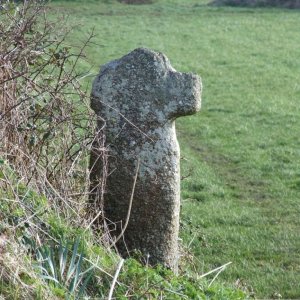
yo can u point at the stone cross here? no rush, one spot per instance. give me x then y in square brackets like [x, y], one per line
[139, 96]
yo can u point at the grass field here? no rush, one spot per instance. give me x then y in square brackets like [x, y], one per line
[241, 202]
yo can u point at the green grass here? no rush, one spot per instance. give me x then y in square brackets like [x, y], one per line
[60, 260]
[241, 202]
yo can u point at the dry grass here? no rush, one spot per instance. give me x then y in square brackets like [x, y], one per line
[47, 128]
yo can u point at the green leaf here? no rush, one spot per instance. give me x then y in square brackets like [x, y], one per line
[84, 285]
[51, 263]
[47, 277]
[72, 266]
[63, 252]
[46, 135]
[78, 276]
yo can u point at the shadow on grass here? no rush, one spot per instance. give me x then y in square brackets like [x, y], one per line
[135, 2]
[292, 4]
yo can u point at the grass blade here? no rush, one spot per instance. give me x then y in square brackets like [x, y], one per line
[63, 252]
[72, 266]
[77, 278]
[115, 279]
[51, 263]
[84, 285]
[47, 277]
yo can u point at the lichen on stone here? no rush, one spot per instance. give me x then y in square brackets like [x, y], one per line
[140, 95]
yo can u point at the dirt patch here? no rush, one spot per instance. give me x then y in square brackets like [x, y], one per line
[259, 3]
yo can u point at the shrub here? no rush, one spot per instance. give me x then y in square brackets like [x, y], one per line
[46, 131]
[46, 125]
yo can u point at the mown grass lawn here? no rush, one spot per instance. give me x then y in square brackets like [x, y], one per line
[241, 202]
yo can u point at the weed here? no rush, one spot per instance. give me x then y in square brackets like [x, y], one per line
[64, 271]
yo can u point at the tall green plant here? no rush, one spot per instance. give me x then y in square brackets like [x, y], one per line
[64, 268]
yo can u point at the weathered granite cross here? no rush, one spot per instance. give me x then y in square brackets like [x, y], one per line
[139, 96]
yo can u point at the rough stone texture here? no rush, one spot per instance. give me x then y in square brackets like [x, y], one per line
[140, 96]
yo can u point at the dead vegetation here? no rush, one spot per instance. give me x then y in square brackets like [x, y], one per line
[46, 125]
[47, 131]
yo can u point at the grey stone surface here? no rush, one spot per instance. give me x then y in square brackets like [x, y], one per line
[139, 96]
